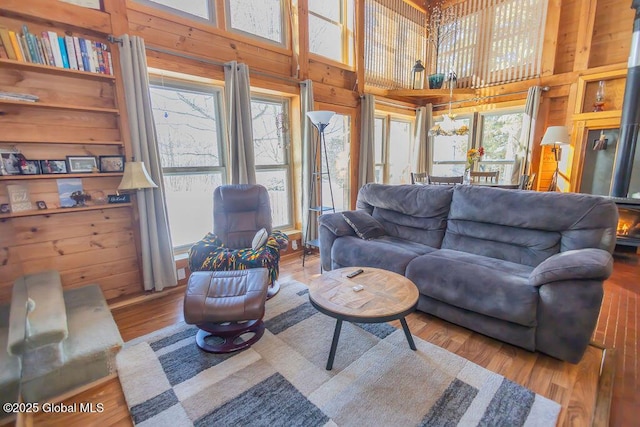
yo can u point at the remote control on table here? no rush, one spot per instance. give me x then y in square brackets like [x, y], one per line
[355, 273]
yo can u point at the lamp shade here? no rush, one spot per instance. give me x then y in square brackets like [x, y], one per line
[556, 135]
[135, 177]
[320, 118]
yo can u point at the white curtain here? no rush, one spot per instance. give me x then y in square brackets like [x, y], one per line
[523, 152]
[158, 265]
[367, 140]
[237, 95]
[424, 122]
[310, 228]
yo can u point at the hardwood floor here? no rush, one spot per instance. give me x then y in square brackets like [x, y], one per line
[574, 386]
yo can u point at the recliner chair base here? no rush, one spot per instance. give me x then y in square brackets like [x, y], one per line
[230, 335]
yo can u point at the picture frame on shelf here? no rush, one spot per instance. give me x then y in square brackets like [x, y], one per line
[112, 163]
[4, 208]
[30, 167]
[41, 204]
[19, 198]
[53, 166]
[82, 164]
[11, 161]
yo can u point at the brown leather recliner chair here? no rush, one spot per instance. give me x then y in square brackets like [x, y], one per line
[239, 212]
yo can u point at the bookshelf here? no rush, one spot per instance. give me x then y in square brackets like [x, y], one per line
[77, 113]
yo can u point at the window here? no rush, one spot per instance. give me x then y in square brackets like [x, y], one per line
[187, 119]
[331, 29]
[338, 140]
[262, 18]
[499, 134]
[500, 137]
[509, 32]
[204, 9]
[449, 153]
[271, 144]
[393, 147]
[394, 40]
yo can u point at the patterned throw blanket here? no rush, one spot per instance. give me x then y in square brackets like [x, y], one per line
[210, 254]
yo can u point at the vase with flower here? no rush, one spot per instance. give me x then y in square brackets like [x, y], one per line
[473, 155]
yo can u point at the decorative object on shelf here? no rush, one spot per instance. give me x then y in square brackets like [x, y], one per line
[600, 143]
[449, 126]
[53, 166]
[80, 198]
[111, 163]
[442, 28]
[473, 155]
[119, 198]
[436, 80]
[41, 205]
[82, 164]
[66, 187]
[98, 197]
[598, 105]
[30, 167]
[135, 177]
[15, 96]
[417, 75]
[19, 199]
[452, 80]
[555, 136]
[4, 208]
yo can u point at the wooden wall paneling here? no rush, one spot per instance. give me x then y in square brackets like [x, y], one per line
[331, 75]
[207, 43]
[567, 36]
[303, 38]
[612, 30]
[64, 13]
[550, 43]
[586, 21]
[334, 95]
[168, 62]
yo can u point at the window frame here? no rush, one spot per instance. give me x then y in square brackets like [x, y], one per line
[222, 169]
[284, 28]
[471, 138]
[346, 33]
[388, 118]
[212, 19]
[478, 136]
[287, 166]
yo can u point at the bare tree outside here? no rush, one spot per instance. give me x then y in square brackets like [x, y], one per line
[262, 18]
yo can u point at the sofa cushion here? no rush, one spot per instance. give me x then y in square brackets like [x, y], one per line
[417, 213]
[364, 225]
[388, 253]
[527, 227]
[481, 284]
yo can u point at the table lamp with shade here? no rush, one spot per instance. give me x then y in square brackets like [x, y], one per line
[135, 177]
[555, 136]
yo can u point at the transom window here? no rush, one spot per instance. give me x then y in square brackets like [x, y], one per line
[331, 24]
[393, 144]
[190, 140]
[204, 9]
[262, 18]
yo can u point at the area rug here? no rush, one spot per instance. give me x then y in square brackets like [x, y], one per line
[281, 380]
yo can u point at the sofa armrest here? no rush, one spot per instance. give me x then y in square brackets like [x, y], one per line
[579, 264]
[331, 226]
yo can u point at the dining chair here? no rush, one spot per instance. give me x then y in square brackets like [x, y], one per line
[418, 177]
[489, 177]
[445, 180]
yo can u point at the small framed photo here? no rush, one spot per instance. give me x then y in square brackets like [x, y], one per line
[111, 163]
[53, 166]
[41, 205]
[4, 208]
[30, 167]
[82, 164]
[11, 162]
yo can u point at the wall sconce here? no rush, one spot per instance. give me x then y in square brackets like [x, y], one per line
[417, 75]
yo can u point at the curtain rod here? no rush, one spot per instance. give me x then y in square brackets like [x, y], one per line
[218, 63]
[482, 98]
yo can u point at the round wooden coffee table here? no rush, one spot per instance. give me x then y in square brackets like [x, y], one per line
[385, 296]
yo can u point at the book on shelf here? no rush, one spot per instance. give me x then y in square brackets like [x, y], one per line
[62, 51]
[14, 96]
[19, 198]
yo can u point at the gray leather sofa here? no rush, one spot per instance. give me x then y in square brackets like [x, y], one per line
[524, 267]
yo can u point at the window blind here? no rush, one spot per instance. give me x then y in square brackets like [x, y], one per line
[394, 40]
[495, 42]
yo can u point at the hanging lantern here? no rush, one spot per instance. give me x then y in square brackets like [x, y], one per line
[417, 75]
